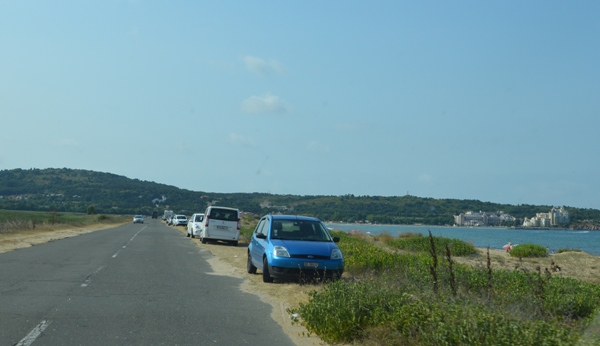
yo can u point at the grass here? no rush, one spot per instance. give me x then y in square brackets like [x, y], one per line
[402, 292]
[18, 221]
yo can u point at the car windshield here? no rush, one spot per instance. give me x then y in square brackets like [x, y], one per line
[299, 230]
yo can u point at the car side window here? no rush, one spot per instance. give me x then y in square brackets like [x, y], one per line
[260, 226]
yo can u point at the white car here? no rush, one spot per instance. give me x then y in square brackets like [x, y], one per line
[138, 219]
[179, 220]
[194, 225]
[221, 223]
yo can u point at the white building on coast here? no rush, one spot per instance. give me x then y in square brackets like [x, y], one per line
[556, 216]
[482, 219]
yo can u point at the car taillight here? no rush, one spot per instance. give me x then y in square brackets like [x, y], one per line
[238, 226]
[206, 219]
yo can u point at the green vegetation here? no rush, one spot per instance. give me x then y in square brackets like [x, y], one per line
[421, 298]
[17, 220]
[567, 250]
[528, 250]
[422, 244]
[82, 191]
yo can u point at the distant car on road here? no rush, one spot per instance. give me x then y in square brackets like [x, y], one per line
[292, 247]
[138, 219]
[195, 225]
[179, 220]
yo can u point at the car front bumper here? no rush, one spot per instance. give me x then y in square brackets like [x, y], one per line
[290, 268]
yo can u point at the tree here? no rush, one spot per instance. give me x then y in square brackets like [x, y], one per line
[91, 210]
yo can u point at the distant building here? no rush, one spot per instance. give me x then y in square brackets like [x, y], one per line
[556, 216]
[481, 219]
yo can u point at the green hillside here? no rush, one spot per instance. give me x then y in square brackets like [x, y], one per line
[73, 190]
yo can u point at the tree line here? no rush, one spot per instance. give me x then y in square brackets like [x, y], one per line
[72, 190]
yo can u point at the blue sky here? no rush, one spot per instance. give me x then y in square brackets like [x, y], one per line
[494, 101]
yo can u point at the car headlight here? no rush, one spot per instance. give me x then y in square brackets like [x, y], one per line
[280, 251]
[336, 254]
[197, 227]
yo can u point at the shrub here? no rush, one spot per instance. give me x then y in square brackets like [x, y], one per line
[422, 244]
[101, 218]
[466, 306]
[529, 250]
[561, 250]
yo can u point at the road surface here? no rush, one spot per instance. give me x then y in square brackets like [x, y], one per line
[137, 284]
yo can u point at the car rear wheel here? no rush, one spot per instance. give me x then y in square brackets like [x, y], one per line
[203, 240]
[249, 266]
[266, 276]
[187, 235]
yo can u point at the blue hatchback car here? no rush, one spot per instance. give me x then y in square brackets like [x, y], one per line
[294, 247]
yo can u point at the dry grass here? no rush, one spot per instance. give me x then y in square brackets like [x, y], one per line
[578, 265]
[17, 239]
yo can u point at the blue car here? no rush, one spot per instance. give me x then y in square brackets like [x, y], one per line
[294, 247]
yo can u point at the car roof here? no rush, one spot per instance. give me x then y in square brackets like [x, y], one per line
[219, 207]
[294, 217]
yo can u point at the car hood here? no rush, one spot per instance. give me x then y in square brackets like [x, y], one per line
[303, 247]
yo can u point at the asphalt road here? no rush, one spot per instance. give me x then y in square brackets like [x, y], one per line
[138, 284]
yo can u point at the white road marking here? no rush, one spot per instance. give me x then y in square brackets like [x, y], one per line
[130, 240]
[88, 280]
[34, 334]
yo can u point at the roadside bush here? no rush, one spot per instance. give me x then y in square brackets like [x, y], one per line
[384, 312]
[422, 244]
[528, 250]
[360, 255]
[561, 250]
[420, 299]
[101, 218]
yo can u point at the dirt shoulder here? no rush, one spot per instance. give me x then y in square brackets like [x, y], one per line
[29, 238]
[230, 260]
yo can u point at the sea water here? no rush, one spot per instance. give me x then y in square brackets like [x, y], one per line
[492, 237]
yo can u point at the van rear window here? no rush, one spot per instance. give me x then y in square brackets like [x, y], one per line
[224, 214]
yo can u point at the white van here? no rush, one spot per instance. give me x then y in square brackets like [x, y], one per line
[221, 223]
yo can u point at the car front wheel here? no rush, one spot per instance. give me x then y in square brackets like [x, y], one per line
[266, 276]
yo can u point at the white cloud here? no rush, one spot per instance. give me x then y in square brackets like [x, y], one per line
[425, 178]
[264, 104]
[349, 127]
[134, 32]
[239, 140]
[66, 142]
[263, 67]
[317, 147]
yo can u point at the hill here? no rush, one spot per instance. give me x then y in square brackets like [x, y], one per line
[73, 190]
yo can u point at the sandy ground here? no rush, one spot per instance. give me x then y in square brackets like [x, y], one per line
[231, 261]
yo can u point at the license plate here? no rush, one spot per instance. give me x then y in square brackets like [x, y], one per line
[222, 227]
[311, 264]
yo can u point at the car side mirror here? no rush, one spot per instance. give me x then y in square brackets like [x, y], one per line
[261, 236]
[336, 239]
